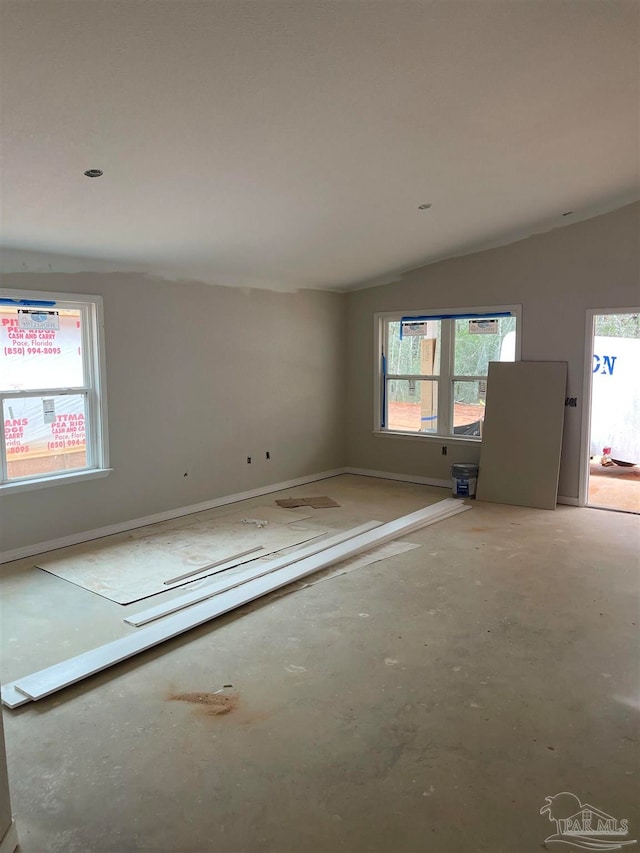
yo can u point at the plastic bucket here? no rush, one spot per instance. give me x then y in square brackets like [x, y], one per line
[464, 478]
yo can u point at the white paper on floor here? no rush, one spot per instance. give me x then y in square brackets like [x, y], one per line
[390, 549]
[131, 566]
[383, 552]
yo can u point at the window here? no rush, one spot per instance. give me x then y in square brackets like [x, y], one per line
[432, 368]
[51, 388]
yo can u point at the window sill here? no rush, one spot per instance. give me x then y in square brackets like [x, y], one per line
[415, 436]
[54, 480]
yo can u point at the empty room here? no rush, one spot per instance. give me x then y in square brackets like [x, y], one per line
[320, 456]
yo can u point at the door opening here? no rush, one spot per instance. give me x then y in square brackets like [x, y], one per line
[613, 452]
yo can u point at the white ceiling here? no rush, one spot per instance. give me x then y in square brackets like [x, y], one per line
[289, 144]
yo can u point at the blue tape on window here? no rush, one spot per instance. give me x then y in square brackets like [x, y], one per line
[384, 392]
[430, 418]
[37, 302]
[422, 319]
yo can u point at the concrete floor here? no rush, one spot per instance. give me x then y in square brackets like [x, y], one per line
[429, 702]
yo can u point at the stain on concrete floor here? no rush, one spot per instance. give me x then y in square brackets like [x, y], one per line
[211, 704]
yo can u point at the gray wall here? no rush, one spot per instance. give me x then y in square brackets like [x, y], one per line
[198, 378]
[555, 276]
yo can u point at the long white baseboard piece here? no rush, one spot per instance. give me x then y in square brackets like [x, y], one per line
[403, 478]
[167, 515]
[61, 675]
[255, 571]
[12, 697]
[428, 481]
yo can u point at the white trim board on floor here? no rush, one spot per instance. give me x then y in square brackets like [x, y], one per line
[256, 570]
[221, 565]
[61, 675]
[167, 515]
[133, 524]
[404, 478]
[428, 481]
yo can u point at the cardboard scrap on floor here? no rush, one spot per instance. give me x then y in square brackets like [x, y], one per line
[321, 502]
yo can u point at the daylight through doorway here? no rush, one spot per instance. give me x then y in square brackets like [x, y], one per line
[614, 439]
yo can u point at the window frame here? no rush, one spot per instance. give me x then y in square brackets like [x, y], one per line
[93, 389]
[447, 376]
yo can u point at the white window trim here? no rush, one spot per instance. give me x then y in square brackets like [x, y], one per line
[96, 391]
[378, 332]
[54, 480]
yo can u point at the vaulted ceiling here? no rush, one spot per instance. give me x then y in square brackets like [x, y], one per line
[291, 144]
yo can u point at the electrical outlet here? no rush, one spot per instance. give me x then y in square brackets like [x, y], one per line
[248, 460]
[444, 449]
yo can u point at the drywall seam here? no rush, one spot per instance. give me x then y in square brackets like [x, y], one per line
[167, 515]
[256, 571]
[61, 675]
[405, 478]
